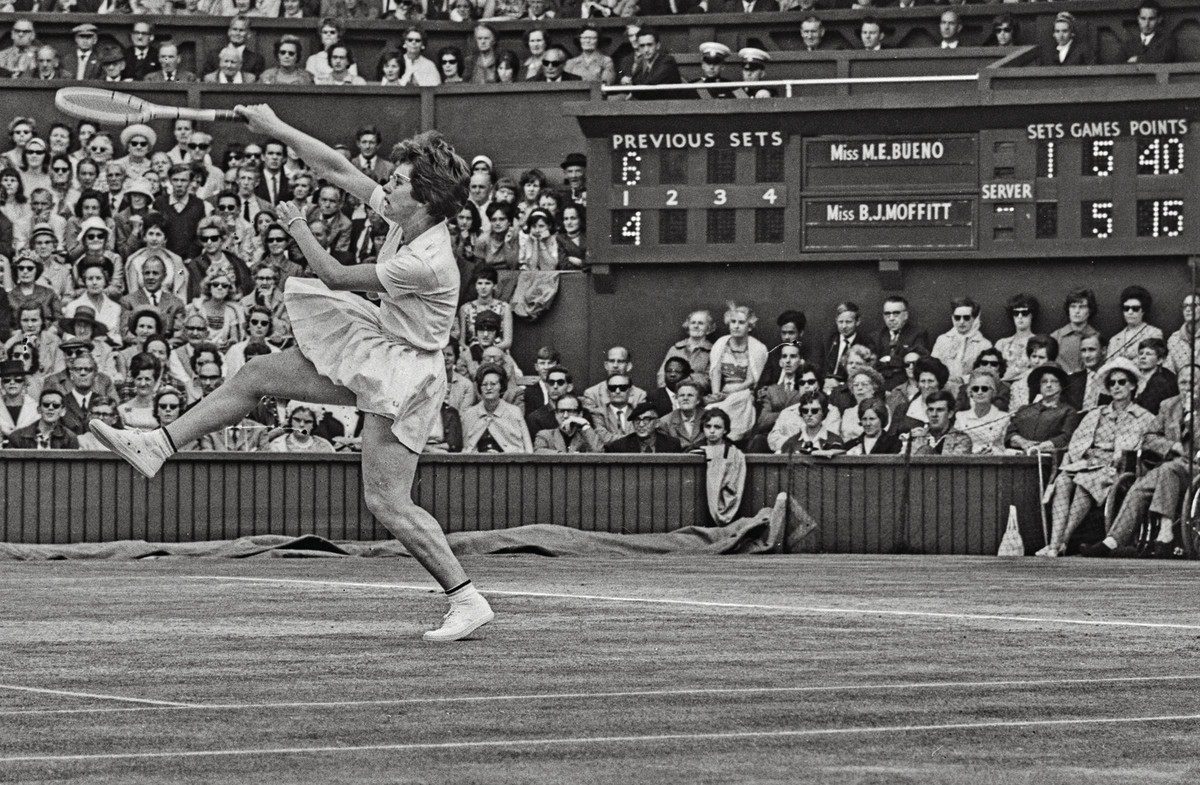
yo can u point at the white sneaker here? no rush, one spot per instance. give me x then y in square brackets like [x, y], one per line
[461, 620]
[139, 449]
[1050, 551]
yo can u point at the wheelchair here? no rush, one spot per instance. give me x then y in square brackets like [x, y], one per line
[1187, 523]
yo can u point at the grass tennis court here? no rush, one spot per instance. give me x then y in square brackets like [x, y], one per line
[788, 669]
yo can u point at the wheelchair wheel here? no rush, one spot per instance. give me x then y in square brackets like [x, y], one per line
[1114, 500]
[1189, 523]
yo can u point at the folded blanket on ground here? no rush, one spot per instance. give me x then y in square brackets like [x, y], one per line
[772, 530]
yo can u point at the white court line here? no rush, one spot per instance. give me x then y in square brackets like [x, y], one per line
[98, 696]
[736, 605]
[553, 696]
[582, 740]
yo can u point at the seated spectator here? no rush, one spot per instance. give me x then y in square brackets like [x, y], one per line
[614, 419]
[898, 397]
[48, 432]
[1158, 383]
[450, 437]
[572, 433]
[217, 304]
[538, 399]
[213, 259]
[21, 56]
[1095, 452]
[737, 362]
[812, 34]
[591, 65]
[683, 422]
[169, 70]
[168, 405]
[95, 276]
[1004, 31]
[27, 292]
[287, 70]
[1135, 306]
[136, 327]
[1022, 310]
[105, 410]
[351, 9]
[535, 44]
[991, 358]
[1085, 388]
[389, 71]
[837, 346]
[38, 333]
[230, 69]
[460, 390]
[940, 437]
[908, 411]
[259, 328]
[696, 349]
[871, 34]
[82, 386]
[482, 66]
[984, 422]
[791, 324]
[145, 373]
[419, 70]
[554, 61]
[339, 230]
[238, 35]
[141, 59]
[651, 66]
[645, 437]
[803, 427]
[28, 357]
[34, 170]
[959, 347]
[725, 477]
[508, 67]
[1161, 490]
[875, 439]
[450, 61]
[19, 410]
[340, 60]
[484, 334]
[493, 425]
[572, 238]
[1152, 44]
[1039, 350]
[784, 391]
[182, 211]
[865, 384]
[150, 290]
[267, 294]
[537, 248]
[663, 398]
[1065, 46]
[1045, 426]
[950, 30]
[754, 69]
[1179, 345]
[246, 436]
[899, 337]
[298, 436]
[617, 360]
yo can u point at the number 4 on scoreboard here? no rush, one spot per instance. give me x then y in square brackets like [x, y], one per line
[770, 196]
[626, 227]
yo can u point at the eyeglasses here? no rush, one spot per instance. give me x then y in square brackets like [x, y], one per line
[95, 236]
[11, 379]
[168, 406]
[218, 286]
[260, 322]
[959, 317]
[198, 145]
[553, 62]
[21, 31]
[34, 152]
[810, 410]
[454, 61]
[1021, 312]
[556, 382]
[60, 169]
[894, 313]
[100, 149]
[993, 363]
[26, 268]
[808, 381]
[51, 405]
[1131, 308]
[1120, 381]
[619, 387]
[138, 143]
[287, 53]
[104, 414]
[1004, 29]
[210, 238]
[209, 378]
[980, 388]
[276, 240]
[252, 155]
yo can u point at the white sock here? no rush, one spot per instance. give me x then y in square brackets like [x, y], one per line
[1111, 543]
[1166, 532]
[161, 442]
[467, 595]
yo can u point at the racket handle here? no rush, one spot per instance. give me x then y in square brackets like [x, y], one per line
[227, 114]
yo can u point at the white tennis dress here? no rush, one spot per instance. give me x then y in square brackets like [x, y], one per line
[390, 356]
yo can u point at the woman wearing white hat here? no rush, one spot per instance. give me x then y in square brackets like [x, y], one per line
[1096, 447]
[139, 141]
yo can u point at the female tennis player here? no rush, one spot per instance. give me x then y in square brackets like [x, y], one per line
[387, 361]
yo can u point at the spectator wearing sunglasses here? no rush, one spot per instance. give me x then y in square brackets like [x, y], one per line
[615, 420]
[450, 63]
[19, 409]
[990, 358]
[268, 293]
[984, 422]
[1095, 451]
[554, 63]
[1135, 308]
[804, 427]
[1004, 31]
[48, 433]
[259, 327]
[961, 344]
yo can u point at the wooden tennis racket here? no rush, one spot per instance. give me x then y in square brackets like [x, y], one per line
[115, 108]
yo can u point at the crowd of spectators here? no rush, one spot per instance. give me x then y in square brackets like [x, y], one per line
[139, 273]
[639, 60]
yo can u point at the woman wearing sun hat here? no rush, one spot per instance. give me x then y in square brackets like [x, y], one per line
[1095, 450]
[139, 141]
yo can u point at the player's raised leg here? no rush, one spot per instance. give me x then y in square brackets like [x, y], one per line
[389, 470]
[287, 374]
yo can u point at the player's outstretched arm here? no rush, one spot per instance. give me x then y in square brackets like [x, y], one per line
[323, 159]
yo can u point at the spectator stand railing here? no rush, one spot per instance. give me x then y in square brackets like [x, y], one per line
[956, 506]
[791, 88]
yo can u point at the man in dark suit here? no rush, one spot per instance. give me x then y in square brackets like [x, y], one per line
[651, 66]
[1151, 44]
[870, 32]
[83, 61]
[1160, 383]
[78, 392]
[837, 347]
[168, 66]
[812, 34]
[554, 60]
[238, 32]
[48, 67]
[273, 186]
[644, 439]
[140, 58]
[675, 370]
[540, 411]
[898, 338]
[152, 295]
[368, 160]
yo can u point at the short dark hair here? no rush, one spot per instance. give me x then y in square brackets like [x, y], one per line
[934, 366]
[144, 362]
[1041, 341]
[944, 396]
[795, 317]
[549, 353]
[817, 397]
[964, 302]
[439, 175]
[687, 366]
[1157, 344]
[1081, 295]
[718, 414]
[490, 368]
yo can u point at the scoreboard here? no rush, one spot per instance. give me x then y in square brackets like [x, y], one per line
[1068, 179]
